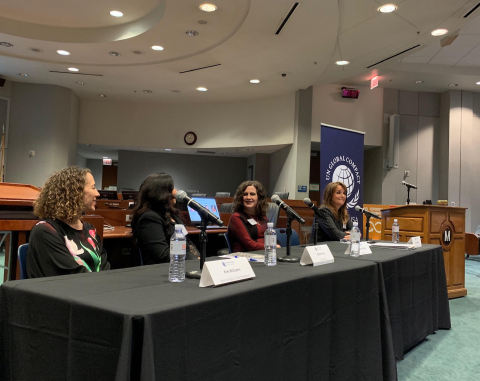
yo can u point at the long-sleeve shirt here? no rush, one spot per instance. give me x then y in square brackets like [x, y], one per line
[330, 228]
[243, 235]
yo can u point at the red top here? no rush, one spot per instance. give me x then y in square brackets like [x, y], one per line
[244, 236]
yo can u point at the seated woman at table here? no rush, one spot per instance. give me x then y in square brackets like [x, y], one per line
[154, 220]
[61, 243]
[248, 223]
[334, 223]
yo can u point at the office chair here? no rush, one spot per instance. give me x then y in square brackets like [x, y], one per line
[226, 207]
[273, 210]
[22, 259]
[282, 195]
[282, 237]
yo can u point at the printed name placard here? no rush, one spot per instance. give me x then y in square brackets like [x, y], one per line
[415, 242]
[364, 248]
[316, 255]
[216, 273]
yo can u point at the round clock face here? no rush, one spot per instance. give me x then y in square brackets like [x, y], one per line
[190, 138]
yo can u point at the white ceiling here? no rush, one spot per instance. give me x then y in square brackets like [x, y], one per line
[239, 43]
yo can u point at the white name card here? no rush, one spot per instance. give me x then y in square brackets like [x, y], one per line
[364, 248]
[415, 242]
[316, 255]
[216, 273]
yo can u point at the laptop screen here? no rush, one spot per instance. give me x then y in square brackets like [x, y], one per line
[208, 203]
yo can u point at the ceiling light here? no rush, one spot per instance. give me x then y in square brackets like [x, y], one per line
[157, 47]
[192, 33]
[116, 13]
[147, 91]
[207, 7]
[439, 32]
[168, 149]
[477, 83]
[254, 81]
[114, 53]
[201, 88]
[23, 75]
[6, 44]
[452, 85]
[102, 95]
[63, 52]
[75, 69]
[419, 82]
[387, 8]
[342, 62]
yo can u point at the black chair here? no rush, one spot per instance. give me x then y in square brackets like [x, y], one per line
[22, 259]
[226, 207]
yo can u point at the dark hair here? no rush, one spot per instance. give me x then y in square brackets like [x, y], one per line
[328, 193]
[261, 208]
[155, 194]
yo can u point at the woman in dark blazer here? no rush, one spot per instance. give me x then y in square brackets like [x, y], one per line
[334, 222]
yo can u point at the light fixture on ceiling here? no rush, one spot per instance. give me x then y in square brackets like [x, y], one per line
[192, 33]
[101, 95]
[167, 149]
[255, 81]
[418, 82]
[115, 13]
[342, 62]
[147, 91]
[6, 44]
[477, 83]
[23, 75]
[439, 32]
[158, 48]
[113, 53]
[74, 69]
[201, 88]
[63, 52]
[207, 7]
[453, 85]
[387, 8]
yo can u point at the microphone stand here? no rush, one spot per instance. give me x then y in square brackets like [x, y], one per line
[196, 274]
[367, 226]
[288, 258]
[408, 193]
[315, 230]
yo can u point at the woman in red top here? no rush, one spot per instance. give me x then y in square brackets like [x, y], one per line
[248, 222]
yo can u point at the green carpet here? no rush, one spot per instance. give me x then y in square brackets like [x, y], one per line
[454, 354]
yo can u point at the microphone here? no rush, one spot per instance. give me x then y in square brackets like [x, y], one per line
[358, 208]
[200, 209]
[409, 185]
[310, 204]
[277, 200]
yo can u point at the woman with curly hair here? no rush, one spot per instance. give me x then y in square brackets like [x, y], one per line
[61, 243]
[334, 222]
[154, 220]
[248, 223]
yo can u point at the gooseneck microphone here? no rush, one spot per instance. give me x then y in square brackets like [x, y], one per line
[409, 185]
[277, 200]
[312, 206]
[358, 208]
[200, 209]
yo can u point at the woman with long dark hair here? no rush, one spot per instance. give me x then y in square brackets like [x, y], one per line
[154, 219]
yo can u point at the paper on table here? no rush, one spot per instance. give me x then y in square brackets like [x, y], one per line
[392, 244]
[251, 257]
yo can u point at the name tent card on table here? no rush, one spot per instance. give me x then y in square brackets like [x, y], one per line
[216, 273]
[415, 242]
[316, 255]
[364, 248]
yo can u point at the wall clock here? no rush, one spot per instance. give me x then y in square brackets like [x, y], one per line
[190, 138]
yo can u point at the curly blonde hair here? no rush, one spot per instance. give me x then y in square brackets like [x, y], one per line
[62, 195]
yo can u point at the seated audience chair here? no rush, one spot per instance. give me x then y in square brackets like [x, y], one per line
[22, 259]
[282, 237]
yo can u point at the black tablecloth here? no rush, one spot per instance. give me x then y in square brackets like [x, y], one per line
[289, 323]
[415, 289]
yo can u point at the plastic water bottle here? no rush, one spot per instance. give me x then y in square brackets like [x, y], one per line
[270, 237]
[355, 240]
[178, 252]
[395, 231]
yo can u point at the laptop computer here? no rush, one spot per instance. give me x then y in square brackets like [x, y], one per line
[208, 202]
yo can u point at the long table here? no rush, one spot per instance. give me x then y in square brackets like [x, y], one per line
[414, 290]
[289, 323]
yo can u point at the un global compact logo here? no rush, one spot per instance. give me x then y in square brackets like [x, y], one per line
[343, 169]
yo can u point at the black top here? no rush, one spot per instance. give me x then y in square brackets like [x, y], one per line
[152, 233]
[329, 228]
[56, 248]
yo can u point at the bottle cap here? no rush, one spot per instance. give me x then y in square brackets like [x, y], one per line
[269, 224]
[355, 223]
[178, 227]
[395, 220]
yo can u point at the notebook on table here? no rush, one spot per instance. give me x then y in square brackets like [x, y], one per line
[208, 202]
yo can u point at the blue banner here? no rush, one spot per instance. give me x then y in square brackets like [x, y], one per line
[341, 159]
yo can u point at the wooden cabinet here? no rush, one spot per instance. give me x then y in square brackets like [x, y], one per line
[435, 224]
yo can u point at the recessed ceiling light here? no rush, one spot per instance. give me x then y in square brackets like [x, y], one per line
[63, 52]
[168, 149]
[387, 8]
[477, 83]
[102, 95]
[6, 44]
[75, 69]
[452, 84]
[255, 81]
[147, 91]
[114, 53]
[439, 32]
[157, 47]
[419, 82]
[201, 88]
[23, 75]
[342, 62]
[191, 33]
[207, 7]
[116, 13]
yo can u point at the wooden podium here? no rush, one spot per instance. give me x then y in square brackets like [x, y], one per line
[435, 224]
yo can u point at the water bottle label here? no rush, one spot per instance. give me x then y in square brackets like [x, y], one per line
[270, 240]
[178, 247]
[395, 229]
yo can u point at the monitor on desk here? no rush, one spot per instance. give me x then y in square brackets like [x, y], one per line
[108, 195]
[207, 202]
